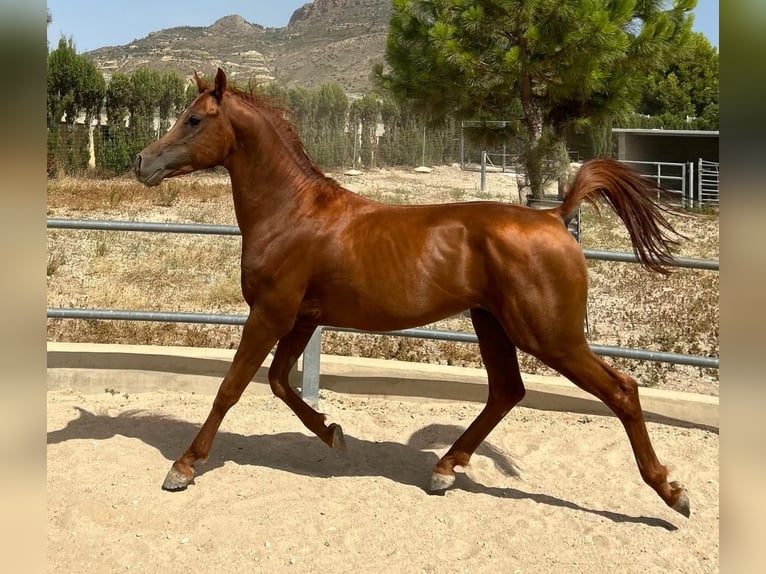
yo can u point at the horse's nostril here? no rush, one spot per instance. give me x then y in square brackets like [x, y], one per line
[137, 162]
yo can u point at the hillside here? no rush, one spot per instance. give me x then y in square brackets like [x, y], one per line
[324, 40]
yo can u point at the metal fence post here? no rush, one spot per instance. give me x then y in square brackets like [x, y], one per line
[691, 185]
[505, 151]
[310, 374]
[659, 178]
[483, 177]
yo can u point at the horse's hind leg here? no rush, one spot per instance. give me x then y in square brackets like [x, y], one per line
[620, 393]
[255, 344]
[288, 350]
[506, 389]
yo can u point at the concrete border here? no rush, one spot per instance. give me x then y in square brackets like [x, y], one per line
[94, 368]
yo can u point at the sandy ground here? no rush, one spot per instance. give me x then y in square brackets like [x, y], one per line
[546, 492]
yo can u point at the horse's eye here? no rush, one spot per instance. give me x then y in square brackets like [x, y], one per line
[194, 120]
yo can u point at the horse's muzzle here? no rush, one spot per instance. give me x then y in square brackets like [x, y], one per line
[145, 173]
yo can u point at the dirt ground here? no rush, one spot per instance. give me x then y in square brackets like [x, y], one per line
[546, 492]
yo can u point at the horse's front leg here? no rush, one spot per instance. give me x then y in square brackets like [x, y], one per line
[288, 350]
[257, 340]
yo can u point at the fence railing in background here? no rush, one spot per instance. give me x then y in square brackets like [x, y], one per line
[707, 182]
[679, 179]
[310, 381]
[669, 175]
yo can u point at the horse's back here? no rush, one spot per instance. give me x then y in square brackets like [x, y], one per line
[399, 266]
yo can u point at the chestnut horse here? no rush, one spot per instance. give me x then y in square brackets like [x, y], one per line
[314, 253]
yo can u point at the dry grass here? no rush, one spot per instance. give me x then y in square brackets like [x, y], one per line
[628, 306]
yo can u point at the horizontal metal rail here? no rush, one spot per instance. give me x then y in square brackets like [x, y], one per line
[421, 333]
[151, 316]
[626, 257]
[211, 229]
[149, 226]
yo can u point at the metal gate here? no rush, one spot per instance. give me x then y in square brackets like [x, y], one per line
[707, 182]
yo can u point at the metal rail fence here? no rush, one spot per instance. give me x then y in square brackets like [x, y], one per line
[673, 177]
[708, 181]
[677, 179]
[310, 376]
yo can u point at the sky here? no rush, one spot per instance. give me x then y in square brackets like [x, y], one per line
[98, 23]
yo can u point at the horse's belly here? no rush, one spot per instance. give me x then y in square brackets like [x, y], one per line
[388, 310]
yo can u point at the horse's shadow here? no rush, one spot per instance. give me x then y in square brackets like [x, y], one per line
[295, 452]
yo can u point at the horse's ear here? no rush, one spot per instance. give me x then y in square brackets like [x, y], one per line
[200, 82]
[220, 84]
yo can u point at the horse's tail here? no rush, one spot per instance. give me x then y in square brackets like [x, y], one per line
[633, 198]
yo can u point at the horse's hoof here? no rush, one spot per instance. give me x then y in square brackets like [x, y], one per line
[682, 503]
[176, 480]
[338, 441]
[440, 483]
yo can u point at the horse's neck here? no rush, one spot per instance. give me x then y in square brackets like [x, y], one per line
[269, 179]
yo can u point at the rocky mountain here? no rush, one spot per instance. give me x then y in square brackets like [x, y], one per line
[324, 40]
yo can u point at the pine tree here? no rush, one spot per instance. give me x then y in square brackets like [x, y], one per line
[546, 65]
[684, 92]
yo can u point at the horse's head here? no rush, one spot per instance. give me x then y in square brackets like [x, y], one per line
[201, 138]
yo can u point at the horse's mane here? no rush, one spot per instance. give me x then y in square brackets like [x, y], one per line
[278, 117]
